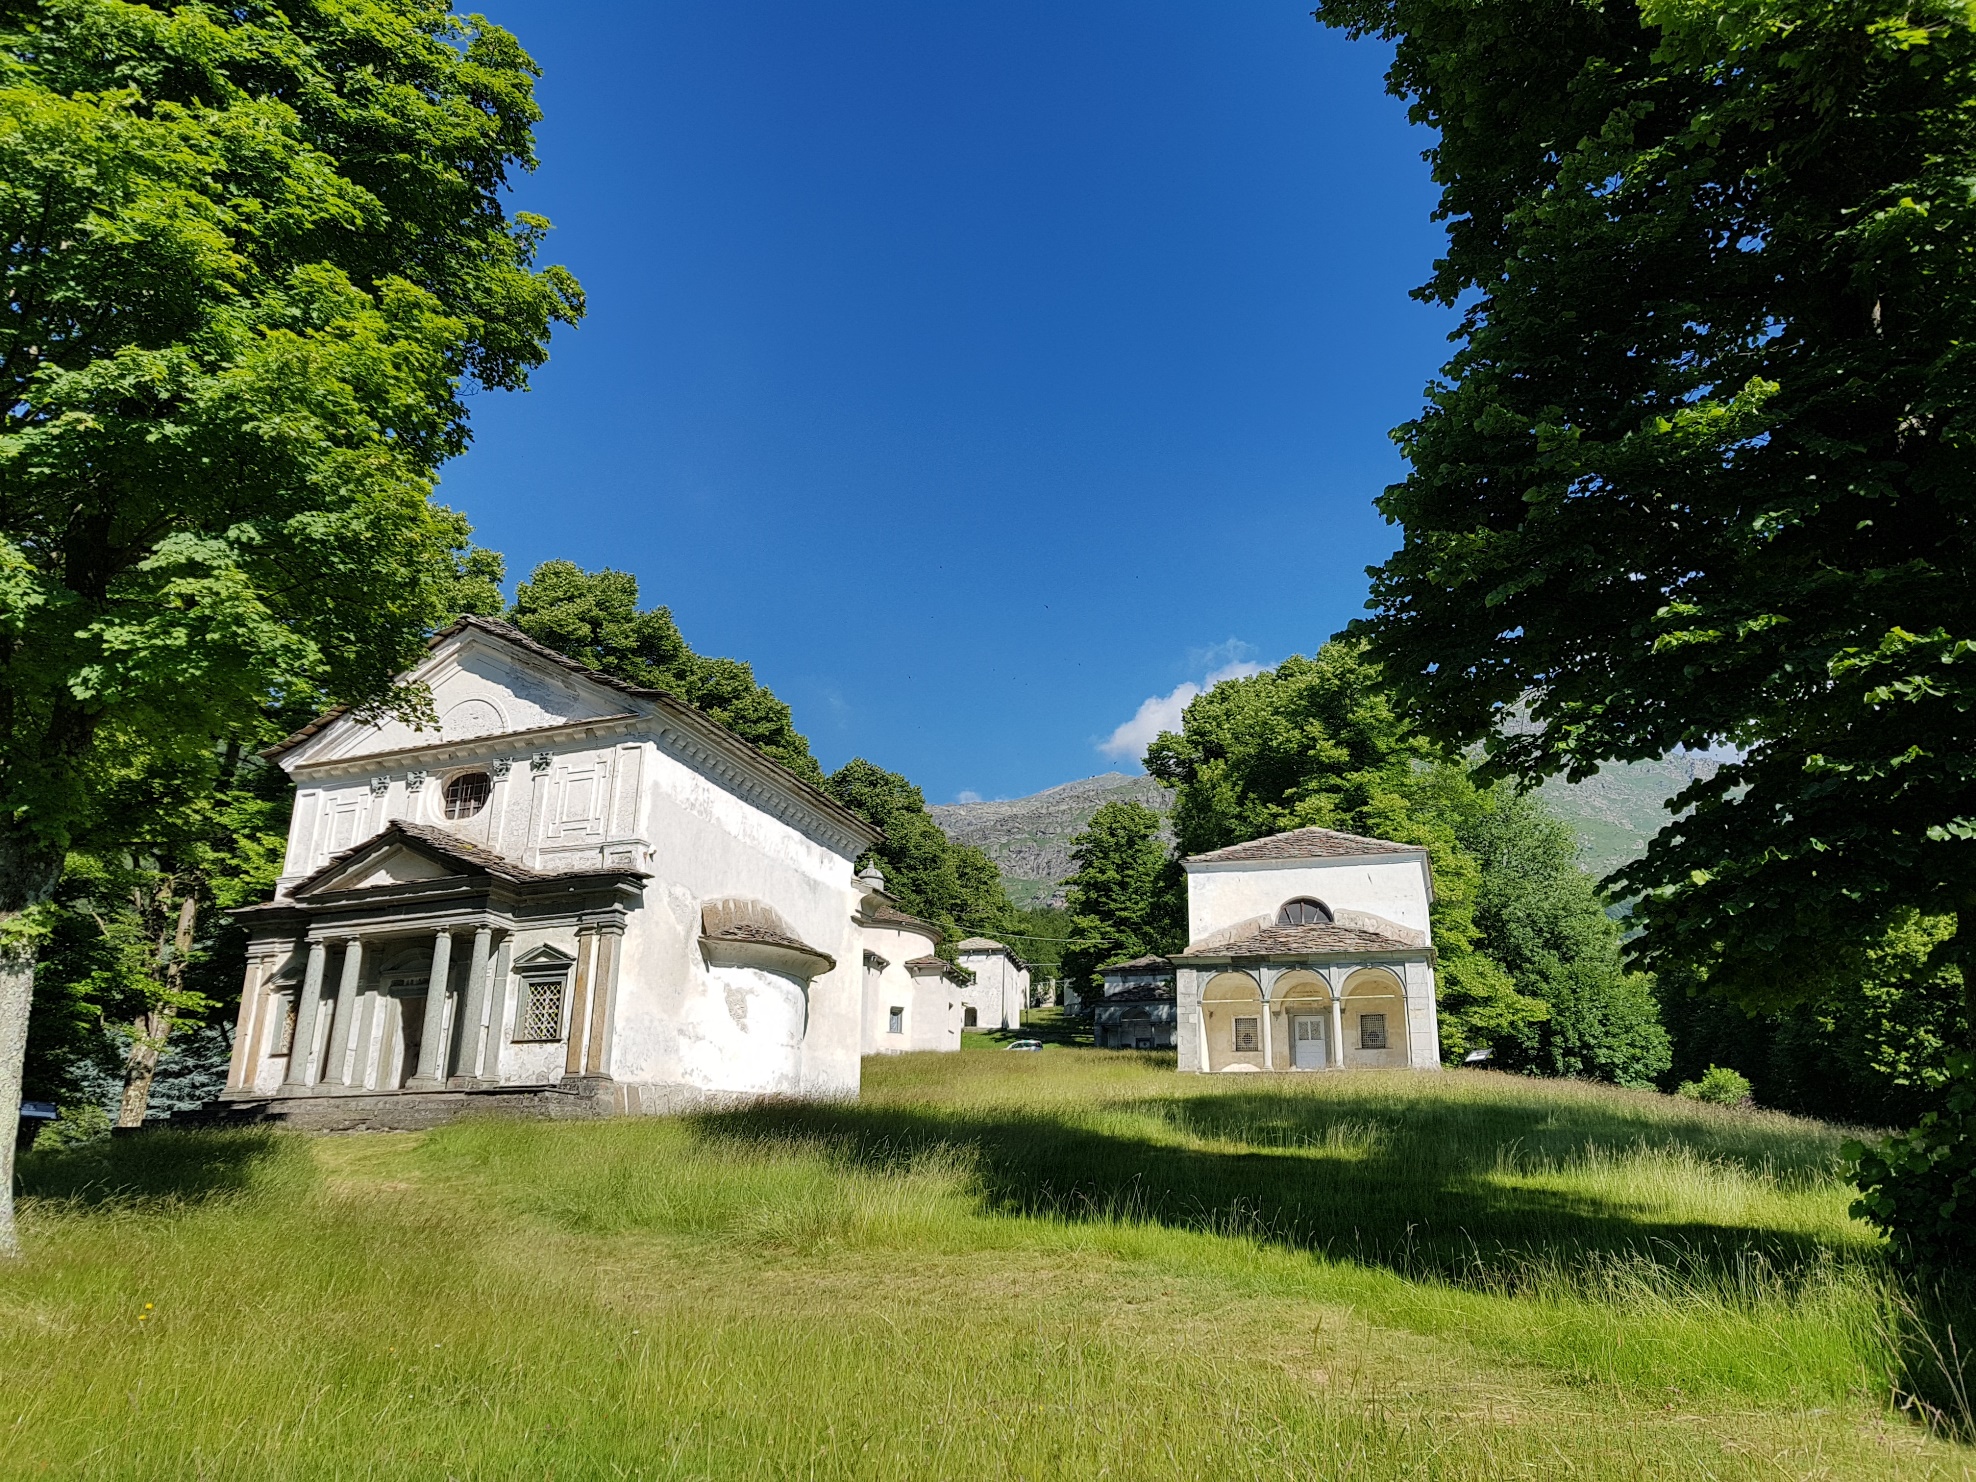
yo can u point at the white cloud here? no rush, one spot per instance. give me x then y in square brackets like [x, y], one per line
[1241, 669]
[967, 797]
[1159, 713]
[1156, 713]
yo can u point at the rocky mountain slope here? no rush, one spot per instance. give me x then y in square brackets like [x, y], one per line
[1614, 814]
[1030, 837]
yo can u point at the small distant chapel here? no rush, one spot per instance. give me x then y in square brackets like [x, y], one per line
[1308, 950]
[576, 897]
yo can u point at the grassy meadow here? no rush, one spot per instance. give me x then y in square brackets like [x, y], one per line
[1069, 1264]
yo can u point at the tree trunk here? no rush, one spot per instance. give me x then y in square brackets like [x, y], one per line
[16, 994]
[28, 876]
[149, 1032]
[151, 1029]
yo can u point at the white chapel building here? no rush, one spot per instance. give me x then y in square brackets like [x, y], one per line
[997, 990]
[576, 895]
[1308, 950]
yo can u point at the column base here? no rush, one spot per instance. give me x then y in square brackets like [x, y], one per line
[425, 1083]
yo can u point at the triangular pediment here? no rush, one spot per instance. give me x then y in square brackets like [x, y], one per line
[393, 867]
[482, 684]
[404, 854]
[544, 956]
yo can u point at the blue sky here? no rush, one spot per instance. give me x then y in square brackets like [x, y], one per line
[985, 376]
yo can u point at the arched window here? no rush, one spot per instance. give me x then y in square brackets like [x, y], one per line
[1303, 911]
[467, 794]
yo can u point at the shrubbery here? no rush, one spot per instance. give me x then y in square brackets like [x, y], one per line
[1720, 1085]
[1919, 1187]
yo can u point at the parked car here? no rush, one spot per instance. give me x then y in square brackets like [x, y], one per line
[1024, 1044]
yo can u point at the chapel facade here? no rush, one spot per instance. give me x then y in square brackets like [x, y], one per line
[1308, 950]
[575, 894]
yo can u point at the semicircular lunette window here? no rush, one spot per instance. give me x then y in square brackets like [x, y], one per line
[467, 794]
[1303, 911]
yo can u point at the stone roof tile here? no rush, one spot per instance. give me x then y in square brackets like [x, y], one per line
[1304, 843]
[1275, 941]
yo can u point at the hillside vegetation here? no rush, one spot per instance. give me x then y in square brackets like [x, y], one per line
[1072, 1264]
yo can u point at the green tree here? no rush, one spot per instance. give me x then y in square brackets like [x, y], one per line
[1542, 918]
[1319, 742]
[139, 943]
[594, 617]
[1702, 468]
[258, 255]
[953, 886]
[1871, 1053]
[1127, 896]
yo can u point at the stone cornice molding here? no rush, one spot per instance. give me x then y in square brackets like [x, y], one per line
[488, 749]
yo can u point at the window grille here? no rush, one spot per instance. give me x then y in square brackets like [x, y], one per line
[897, 1022]
[467, 794]
[542, 1009]
[1372, 1031]
[1303, 911]
[1248, 1034]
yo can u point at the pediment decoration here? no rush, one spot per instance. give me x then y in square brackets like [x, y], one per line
[544, 957]
[405, 854]
[485, 680]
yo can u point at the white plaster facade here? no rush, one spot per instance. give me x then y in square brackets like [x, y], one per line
[1308, 951]
[999, 991]
[911, 995]
[623, 901]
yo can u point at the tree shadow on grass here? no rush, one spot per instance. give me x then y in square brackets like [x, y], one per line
[164, 1168]
[1420, 1188]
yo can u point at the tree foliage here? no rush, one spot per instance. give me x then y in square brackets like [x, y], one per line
[258, 255]
[1701, 469]
[1127, 897]
[1873, 1052]
[953, 886]
[140, 950]
[1704, 466]
[1541, 918]
[594, 617]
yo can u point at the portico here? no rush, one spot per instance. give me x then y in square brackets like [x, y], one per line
[341, 975]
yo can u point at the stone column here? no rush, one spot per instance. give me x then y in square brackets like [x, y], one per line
[335, 1070]
[1201, 1021]
[579, 1004]
[240, 1072]
[473, 1006]
[1268, 1014]
[1337, 1029]
[498, 1017]
[603, 999]
[365, 1035]
[432, 1054]
[305, 1019]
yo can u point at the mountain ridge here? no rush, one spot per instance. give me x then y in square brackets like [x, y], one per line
[1614, 813]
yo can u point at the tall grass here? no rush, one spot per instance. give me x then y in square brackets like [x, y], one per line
[1072, 1264]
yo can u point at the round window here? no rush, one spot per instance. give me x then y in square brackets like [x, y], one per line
[467, 794]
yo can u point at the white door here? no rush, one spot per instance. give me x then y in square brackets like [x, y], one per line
[1307, 1036]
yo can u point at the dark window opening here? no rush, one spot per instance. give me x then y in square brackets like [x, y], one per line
[970, 1018]
[467, 794]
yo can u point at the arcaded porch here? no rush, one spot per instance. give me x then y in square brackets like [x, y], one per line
[1294, 1016]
